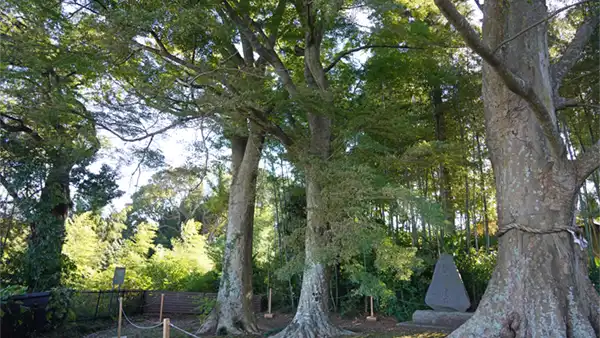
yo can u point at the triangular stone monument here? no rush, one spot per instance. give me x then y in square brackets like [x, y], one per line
[447, 291]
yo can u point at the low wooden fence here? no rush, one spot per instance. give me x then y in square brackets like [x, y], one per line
[186, 302]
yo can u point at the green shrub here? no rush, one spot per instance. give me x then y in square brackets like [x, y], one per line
[58, 310]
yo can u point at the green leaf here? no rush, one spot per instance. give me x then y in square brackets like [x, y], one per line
[597, 261]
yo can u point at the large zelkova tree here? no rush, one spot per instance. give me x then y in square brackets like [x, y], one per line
[194, 54]
[44, 135]
[540, 286]
[308, 80]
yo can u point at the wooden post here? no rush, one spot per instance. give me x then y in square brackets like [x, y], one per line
[120, 317]
[166, 328]
[162, 301]
[269, 300]
[372, 317]
[269, 315]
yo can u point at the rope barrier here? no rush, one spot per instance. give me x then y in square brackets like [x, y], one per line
[184, 331]
[575, 232]
[141, 327]
[506, 228]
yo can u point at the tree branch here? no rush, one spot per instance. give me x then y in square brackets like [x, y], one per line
[260, 118]
[528, 28]
[574, 51]
[345, 53]
[276, 20]
[515, 83]
[178, 122]
[587, 163]
[164, 53]
[244, 26]
[561, 103]
[21, 127]
[9, 188]
[158, 42]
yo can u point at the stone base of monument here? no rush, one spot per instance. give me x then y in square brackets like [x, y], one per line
[371, 319]
[434, 328]
[448, 320]
[269, 315]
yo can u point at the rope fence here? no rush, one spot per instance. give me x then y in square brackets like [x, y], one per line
[164, 323]
[139, 326]
[182, 330]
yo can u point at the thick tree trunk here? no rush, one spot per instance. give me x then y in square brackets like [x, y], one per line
[540, 286]
[311, 319]
[44, 263]
[232, 313]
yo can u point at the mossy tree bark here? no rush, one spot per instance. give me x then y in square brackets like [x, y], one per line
[540, 286]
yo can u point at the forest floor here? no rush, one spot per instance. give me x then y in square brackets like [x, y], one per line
[384, 328]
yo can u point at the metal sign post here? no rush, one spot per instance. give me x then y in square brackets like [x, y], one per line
[119, 276]
[118, 279]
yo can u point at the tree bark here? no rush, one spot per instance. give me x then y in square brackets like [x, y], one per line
[233, 313]
[44, 261]
[540, 286]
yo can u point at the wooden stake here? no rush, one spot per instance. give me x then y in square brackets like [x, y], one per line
[269, 300]
[269, 315]
[162, 301]
[120, 317]
[372, 317]
[166, 328]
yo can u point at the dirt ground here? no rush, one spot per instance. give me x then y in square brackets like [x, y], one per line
[384, 327]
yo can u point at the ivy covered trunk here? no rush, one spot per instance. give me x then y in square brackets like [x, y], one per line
[44, 262]
[232, 313]
[540, 286]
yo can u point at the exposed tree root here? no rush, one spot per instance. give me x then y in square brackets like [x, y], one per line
[210, 324]
[225, 323]
[311, 326]
[541, 292]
